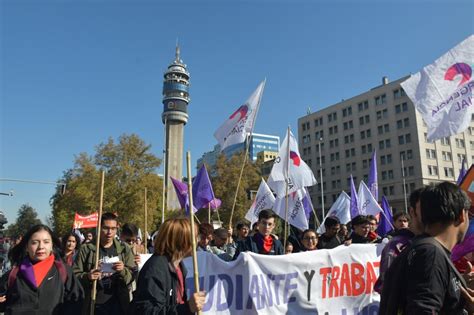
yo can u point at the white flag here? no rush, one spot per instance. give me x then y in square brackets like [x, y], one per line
[235, 129]
[299, 173]
[341, 209]
[442, 91]
[263, 200]
[296, 214]
[367, 203]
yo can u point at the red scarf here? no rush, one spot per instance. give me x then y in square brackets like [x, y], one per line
[267, 244]
[179, 286]
[41, 269]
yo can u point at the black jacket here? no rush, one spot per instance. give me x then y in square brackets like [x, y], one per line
[156, 289]
[52, 297]
[250, 244]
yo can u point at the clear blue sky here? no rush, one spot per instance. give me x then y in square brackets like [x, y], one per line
[74, 73]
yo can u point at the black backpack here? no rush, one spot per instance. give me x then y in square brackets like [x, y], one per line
[393, 298]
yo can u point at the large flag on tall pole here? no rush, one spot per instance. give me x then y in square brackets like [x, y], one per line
[296, 212]
[354, 202]
[373, 184]
[235, 129]
[202, 189]
[462, 172]
[442, 91]
[340, 209]
[386, 219]
[299, 173]
[366, 202]
[263, 200]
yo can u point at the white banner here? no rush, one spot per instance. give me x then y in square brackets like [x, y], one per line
[263, 200]
[336, 281]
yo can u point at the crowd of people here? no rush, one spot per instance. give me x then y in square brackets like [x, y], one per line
[49, 275]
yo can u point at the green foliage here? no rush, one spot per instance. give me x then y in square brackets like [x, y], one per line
[129, 167]
[225, 177]
[27, 217]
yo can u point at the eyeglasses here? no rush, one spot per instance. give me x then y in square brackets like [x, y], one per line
[310, 238]
[107, 228]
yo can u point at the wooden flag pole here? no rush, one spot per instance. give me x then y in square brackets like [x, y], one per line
[145, 236]
[97, 243]
[218, 217]
[245, 159]
[286, 193]
[193, 229]
[209, 213]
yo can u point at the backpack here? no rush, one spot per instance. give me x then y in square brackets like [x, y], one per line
[59, 266]
[393, 291]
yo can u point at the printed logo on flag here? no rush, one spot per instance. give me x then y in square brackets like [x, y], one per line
[242, 110]
[295, 158]
[459, 68]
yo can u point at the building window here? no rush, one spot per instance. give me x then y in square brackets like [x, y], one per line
[397, 94]
[362, 134]
[445, 141]
[461, 158]
[379, 100]
[363, 105]
[430, 154]
[380, 130]
[446, 156]
[448, 172]
[406, 122]
[368, 133]
[460, 143]
[432, 170]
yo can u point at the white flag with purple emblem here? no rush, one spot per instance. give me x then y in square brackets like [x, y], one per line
[296, 213]
[235, 129]
[366, 202]
[442, 91]
[297, 172]
[340, 209]
[263, 200]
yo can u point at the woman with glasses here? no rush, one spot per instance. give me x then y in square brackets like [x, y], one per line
[309, 240]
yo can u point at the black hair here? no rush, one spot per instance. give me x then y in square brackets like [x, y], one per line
[443, 203]
[129, 229]
[415, 197]
[359, 220]
[221, 233]
[18, 252]
[240, 225]
[308, 231]
[266, 214]
[108, 216]
[401, 214]
[371, 217]
[331, 221]
[64, 241]
[206, 229]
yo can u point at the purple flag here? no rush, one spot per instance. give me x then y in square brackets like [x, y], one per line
[182, 193]
[307, 205]
[462, 172]
[373, 185]
[386, 219]
[215, 203]
[202, 189]
[354, 200]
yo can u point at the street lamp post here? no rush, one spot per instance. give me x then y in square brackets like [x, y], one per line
[321, 175]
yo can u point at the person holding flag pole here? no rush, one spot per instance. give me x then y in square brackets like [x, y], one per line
[238, 128]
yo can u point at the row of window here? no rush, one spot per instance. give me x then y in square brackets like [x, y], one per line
[446, 156]
[433, 171]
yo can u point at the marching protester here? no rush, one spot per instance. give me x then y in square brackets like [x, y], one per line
[70, 246]
[113, 278]
[161, 283]
[222, 245]
[129, 235]
[89, 237]
[39, 282]
[422, 279]
[309, 240]
[243, 230]
[360, 230]
[401, 220]
[401, 238]
[343, 232]
[206, 231]
[373, 236]
[288, 248]
[262, 242]
[330, 238]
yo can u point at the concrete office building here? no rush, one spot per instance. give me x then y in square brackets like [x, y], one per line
[382, 119]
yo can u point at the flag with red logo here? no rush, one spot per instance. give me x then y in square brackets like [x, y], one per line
[290, 169]
[442, 91]
[235, 129]
[296, 215]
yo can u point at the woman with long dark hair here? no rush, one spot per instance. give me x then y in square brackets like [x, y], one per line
[70, 245]
[39, 282]
[161, 282]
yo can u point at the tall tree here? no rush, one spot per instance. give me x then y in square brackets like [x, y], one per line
[27, 217]
[129, 167]
[225, 176]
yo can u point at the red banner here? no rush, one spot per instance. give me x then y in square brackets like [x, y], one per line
[83, 222]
